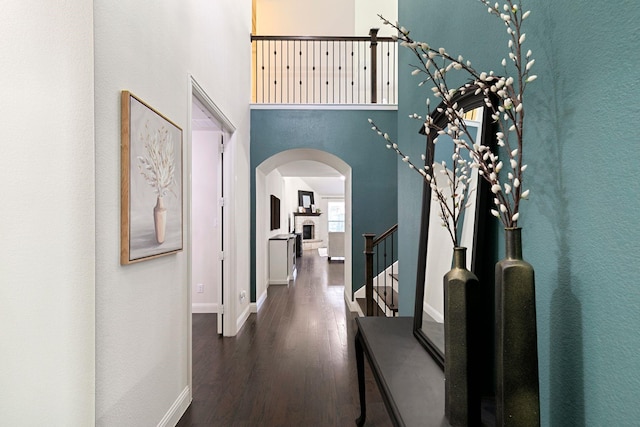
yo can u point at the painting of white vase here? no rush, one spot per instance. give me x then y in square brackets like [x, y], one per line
[152, 183]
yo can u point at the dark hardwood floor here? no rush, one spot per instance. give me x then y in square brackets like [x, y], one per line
[292, 364]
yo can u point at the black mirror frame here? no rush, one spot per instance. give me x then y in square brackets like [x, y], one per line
[482, 252]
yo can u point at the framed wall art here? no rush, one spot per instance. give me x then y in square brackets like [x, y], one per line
[151, 183]
[275, 213]
[305, 199]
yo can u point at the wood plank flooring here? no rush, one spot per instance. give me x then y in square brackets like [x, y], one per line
[292, 364]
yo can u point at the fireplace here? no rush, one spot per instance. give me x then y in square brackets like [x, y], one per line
[310, 231]
[307, 231]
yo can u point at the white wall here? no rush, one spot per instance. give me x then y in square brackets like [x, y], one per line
[206, 224]
[274, 185]
[305, 17]
[292, 185]
[262, 234]
[366, 16]
[47, 222]
[326, 18]
[142, 310]
[271, 184]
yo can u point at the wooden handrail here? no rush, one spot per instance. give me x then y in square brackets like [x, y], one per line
[321, 38]
[370, 244]
[385, 235]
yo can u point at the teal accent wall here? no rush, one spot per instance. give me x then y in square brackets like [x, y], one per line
[346, 134]
[580, 228]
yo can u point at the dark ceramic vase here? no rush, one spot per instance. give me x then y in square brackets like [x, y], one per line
[517, 389]
[462, 395]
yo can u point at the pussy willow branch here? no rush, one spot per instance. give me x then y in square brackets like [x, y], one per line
[501, 97]
[456, 178]
[513, 19]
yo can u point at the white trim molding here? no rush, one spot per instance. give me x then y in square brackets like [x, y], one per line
[255, 307]
[365, 107]
[178, 409]
[243, 318]
[203, 307]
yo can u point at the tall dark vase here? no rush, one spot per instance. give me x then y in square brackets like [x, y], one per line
[462, 389]
[517, 389]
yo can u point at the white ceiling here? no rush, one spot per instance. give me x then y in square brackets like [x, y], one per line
[308, 168]
[323, 179]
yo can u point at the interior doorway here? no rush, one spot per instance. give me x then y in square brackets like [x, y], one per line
[209, 168]
[208, 164]
[207, 212]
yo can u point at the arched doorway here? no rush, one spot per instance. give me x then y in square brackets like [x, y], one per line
[264, 178]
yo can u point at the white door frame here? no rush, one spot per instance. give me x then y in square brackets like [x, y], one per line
[195, 90]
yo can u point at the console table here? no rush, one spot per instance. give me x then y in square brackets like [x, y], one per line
[282, 259]
[411, 383]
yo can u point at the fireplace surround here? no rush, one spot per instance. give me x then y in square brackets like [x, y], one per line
[308, 225]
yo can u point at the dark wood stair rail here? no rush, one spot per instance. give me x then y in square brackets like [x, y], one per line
[371, 248]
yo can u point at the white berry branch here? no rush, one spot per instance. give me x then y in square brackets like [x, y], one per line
[503, 96]
[451, 202]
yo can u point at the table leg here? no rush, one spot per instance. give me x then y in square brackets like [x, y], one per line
[360, 368]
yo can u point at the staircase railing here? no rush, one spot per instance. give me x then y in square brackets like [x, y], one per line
[381, 256]
[324, 70]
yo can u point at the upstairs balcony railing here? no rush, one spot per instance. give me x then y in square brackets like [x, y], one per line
[324, 70]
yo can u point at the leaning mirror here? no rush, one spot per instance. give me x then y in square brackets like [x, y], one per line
[435, 252]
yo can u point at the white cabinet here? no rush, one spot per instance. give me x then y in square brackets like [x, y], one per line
[282, 259]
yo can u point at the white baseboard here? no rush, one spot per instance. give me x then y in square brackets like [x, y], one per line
[435, 314]
[178, 409]
[351, 305]
[243, 318]
[200, 307]
[255, 306]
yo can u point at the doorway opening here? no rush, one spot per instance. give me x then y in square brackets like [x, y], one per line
[209, 172]
[207, 213]
[313, 171]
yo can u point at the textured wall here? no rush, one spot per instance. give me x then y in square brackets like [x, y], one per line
[580, 227]
[346, 134]
[47, 285]
[142, 310]
[305, 18]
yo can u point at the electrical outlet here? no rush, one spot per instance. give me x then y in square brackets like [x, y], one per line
[243, 295]
[200, 288]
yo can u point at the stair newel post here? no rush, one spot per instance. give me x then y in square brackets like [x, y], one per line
[373, 32]
[392, 284]
[368, 271]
